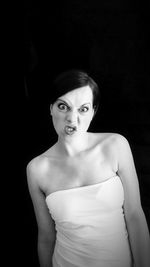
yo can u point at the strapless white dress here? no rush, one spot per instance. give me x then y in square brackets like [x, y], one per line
[90, 225]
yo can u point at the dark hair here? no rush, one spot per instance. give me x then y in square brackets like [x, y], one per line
[71, 80]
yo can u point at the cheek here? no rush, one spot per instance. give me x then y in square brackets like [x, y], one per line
[57, 120]
[87, 120]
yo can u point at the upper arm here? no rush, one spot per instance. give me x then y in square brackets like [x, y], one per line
[46, 227]
[128, 175]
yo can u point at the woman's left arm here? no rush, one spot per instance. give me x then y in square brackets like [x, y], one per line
[135, 218]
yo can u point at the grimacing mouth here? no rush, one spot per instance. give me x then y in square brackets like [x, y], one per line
[70, 129]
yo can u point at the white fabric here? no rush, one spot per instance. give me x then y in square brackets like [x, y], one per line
[91, 230]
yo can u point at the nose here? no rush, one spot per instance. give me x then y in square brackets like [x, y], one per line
[72, 117]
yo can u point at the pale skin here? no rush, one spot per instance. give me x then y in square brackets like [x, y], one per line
[81, 159]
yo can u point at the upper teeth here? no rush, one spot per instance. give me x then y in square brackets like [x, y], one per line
[70, 129]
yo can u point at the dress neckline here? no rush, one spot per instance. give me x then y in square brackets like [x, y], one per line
[81, 187]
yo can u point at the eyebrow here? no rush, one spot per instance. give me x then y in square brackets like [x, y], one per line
[59, 99]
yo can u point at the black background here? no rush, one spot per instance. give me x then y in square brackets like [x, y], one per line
[107, 38]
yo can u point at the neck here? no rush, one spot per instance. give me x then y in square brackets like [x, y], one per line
[73, 146]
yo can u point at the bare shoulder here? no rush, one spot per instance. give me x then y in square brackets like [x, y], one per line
[120, 139]
[112, 143]
[121, 142]
[36, 168]
[110, 139]
[118, 143]
[39, 166]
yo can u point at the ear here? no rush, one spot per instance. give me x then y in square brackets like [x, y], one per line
[94, 111]
[51, 107]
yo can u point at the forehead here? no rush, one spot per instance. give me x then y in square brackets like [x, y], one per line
[79, 96]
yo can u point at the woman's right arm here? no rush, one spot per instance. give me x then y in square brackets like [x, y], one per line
[46, 227]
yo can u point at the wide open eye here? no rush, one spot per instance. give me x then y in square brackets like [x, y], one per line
[84, 109]
[63, 107]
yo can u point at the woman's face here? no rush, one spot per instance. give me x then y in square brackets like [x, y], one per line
[72, 113]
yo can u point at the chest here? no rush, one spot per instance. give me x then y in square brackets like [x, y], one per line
[89, 168]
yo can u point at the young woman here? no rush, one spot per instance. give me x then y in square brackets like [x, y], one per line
[85, 189]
